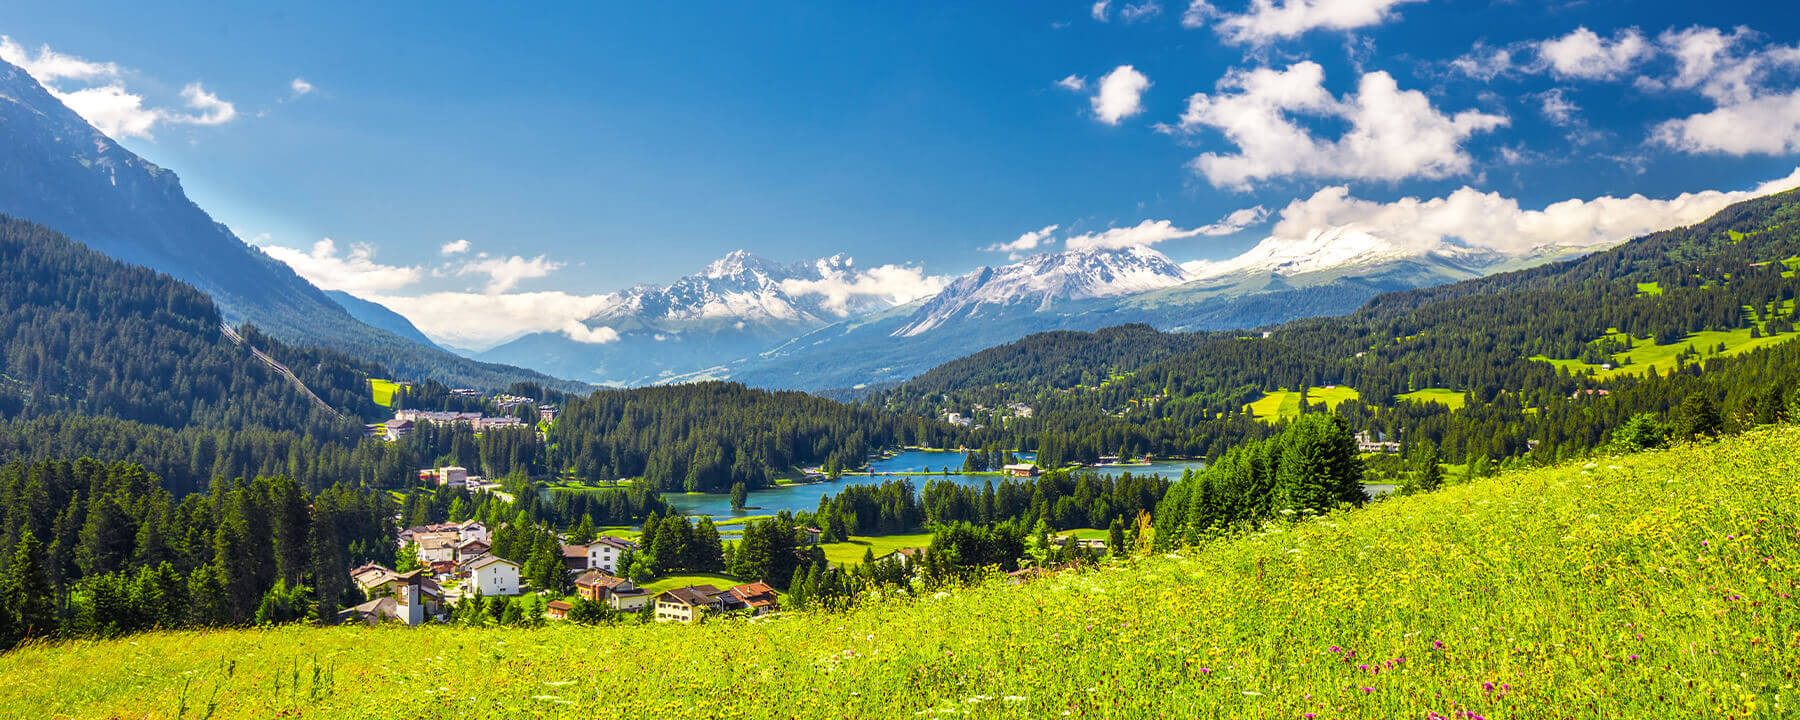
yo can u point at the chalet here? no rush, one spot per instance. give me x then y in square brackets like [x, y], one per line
[491, 575]
[547, 413]
[758, 597]
[558, 610]
[412, 597]
[905, 556]
[396, 429]
[472, 548]
[615, 591]
[436, 547]
[575, 558]
[605, 552]
[688, 605]
[1021, 469]
[808, 535]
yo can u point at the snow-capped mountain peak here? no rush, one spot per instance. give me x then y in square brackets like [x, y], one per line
[1041, 281]
[1331, 249]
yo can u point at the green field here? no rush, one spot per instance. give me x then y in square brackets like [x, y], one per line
[851, 552]
[383, 391]
[670, 582]
[1662, 357]
[1649, 289]
[1284, 404]
[1443, 396]
[1649, 586]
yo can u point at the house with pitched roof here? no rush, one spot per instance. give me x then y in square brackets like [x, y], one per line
[493, 575]
[689, 605]
[617, 592]
[757, 597]
[605, 552]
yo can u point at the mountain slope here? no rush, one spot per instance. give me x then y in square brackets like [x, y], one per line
[59, 171]
[1500, 598]
[83, 333]
[378, 316]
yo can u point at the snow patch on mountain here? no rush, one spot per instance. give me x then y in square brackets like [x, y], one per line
[1041, 281]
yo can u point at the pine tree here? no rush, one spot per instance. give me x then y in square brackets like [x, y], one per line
[27, 601]
[583, 533]
[740, 496]
[1115, 538]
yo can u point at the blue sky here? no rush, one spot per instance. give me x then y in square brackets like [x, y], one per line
[583, 150]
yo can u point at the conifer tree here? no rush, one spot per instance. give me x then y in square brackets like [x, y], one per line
[27, 601]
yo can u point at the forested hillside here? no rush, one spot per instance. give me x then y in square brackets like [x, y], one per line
[1518, 352]
[83, 333]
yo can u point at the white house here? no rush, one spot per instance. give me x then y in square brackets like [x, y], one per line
[604, 553]
[471, 530]
[494, 575]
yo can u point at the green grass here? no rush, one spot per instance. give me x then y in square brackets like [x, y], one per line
[383, 391]
[851, 552]
[742, 520]
[1442, 396]
[1649, 586]
[1651, 289]
[1284, 404]
[1647, 355]
[670, 582]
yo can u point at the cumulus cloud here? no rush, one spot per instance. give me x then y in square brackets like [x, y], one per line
[300, 87]
[1266, 21]
[894, 284]
[96, 91]
[1488, 220]
[1484, 63]
[1584, 54]
[1120, 94]
[1751, 114]
[1144, 234]
[505, 273]
[354, 271]
[1073, 83]
[1099, 9]
[1025, 242]
[454, 247]
[1393, 134]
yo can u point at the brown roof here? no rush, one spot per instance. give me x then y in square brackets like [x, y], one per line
[694, 595]
[574, 551]
[559, 605]
[756, 594]
[601, 579]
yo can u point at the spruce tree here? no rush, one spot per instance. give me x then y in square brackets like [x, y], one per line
[27, 601]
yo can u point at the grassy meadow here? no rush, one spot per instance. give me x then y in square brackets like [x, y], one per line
[1648, 586]
[1285, 404]
[1454, 399]
[382, 391]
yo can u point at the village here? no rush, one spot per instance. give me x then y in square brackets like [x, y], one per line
[456, 564]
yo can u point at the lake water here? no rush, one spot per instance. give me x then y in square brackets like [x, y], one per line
[918, 465]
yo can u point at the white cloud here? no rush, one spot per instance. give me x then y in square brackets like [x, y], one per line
[1768, 125]
[1394, 134]
[480, 321]
[1484, 63]
[454, 247]
[1266, 21]
[1237, 221]
[354, 272]
[1120, 94]
[211, 110]
[505, 273]
[1750, 117]
[102, 98]
[1073, 83]
[299, 87]
[1488, 220]
[1140, 11]
[1144, 234]
[897, 284]
[1025, 242]
[1197, 13]
[1584, 54]
[1557, 107]
[1099, 9]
